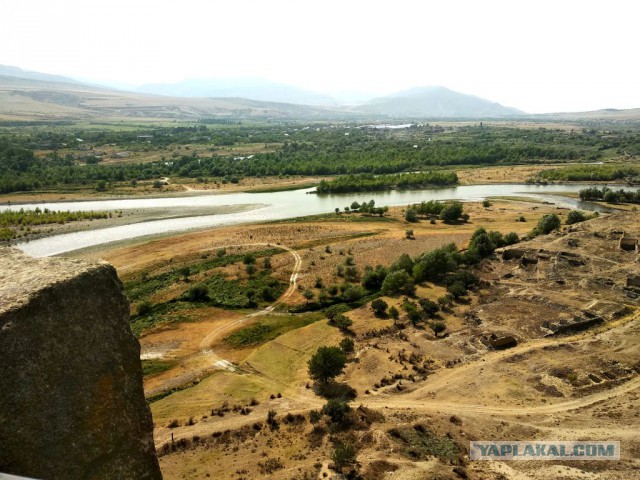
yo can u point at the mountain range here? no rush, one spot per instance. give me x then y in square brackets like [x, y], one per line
[29, 95]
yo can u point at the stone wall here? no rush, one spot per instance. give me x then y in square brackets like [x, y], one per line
[71, 399]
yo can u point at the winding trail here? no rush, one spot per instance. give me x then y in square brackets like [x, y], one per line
[206, 360]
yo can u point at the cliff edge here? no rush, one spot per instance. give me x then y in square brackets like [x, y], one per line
[71, 399]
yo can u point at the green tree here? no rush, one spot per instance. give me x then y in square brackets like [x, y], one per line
[410, 215]
[575, 216]
[438, 328]
[547, 224]
[404, 262]
[398, 282]
[394, 313]
[326, 364]
[379, 307]
[347, 345]
[451, 212]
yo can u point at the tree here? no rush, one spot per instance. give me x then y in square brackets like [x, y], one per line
[575, 216]
[457, 289]
[428, 307]
[412, 311]
[308, 295]
[372, 279]
[347, 345]
[355, 206]
[547, 224]
[326, 364]
[404, 262]
[353, 293]
[342, 322]
[486, 203]
[451, 212]
[438, 327]
[379, 307]
[398, 282]
[249, 259]
[394, 313]
[411, 215]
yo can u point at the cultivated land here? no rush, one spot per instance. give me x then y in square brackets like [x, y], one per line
[420, 398]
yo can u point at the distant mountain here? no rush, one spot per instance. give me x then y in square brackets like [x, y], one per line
[436, 102]
[10, 71]
[29, 99]
[244, 87]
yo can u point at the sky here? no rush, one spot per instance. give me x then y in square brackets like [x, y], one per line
[539, 56]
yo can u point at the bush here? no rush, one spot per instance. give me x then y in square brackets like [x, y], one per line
[144, 308]
[575, 216]
[411, 215]
[347, 345]
[379, 307]
[342, 322]
[457, 289]
[547, 224]
[337, 411]
[438, 328]
[198, 293]
[428, 307]
[511, 238]
[344, 454]
[451, 212]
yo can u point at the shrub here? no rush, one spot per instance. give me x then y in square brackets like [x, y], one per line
[347, 345]
[410, 215]
[451, 212]
[379, 307]
[344, 454]
[547, 224]
[511, 238]
[198, 293]
[337, 411]
[575, 216]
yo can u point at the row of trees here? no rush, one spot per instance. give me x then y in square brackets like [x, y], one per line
[370, 182]
[609, 195]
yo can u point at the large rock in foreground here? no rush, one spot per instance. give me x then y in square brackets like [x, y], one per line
[71, 399]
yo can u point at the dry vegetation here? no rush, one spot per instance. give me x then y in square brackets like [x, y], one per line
[424, 397]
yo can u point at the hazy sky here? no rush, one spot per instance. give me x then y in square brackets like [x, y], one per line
[536, 55]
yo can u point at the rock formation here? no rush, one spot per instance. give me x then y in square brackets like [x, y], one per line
[71, 399]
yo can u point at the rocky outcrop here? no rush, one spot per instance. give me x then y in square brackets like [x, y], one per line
[71, 399]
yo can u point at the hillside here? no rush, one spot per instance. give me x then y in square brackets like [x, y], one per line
[437, 102]
[254, 88]
[29, 99]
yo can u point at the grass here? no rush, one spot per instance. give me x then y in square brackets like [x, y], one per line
[270, 327]
[143, 285]
[153, 367]
[420, 443]
[342, 217]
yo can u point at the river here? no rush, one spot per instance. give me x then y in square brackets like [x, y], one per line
[277, 205]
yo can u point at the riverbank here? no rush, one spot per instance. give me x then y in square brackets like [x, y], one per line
[128, 217]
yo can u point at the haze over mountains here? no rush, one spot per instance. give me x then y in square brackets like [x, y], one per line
[24, 93]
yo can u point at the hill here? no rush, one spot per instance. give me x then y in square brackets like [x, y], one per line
[258, 89]
[32, 99]
[436, 102]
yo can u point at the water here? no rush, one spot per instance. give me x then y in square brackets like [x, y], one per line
[280, 205]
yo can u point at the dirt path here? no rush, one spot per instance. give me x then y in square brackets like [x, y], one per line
[206, 360]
